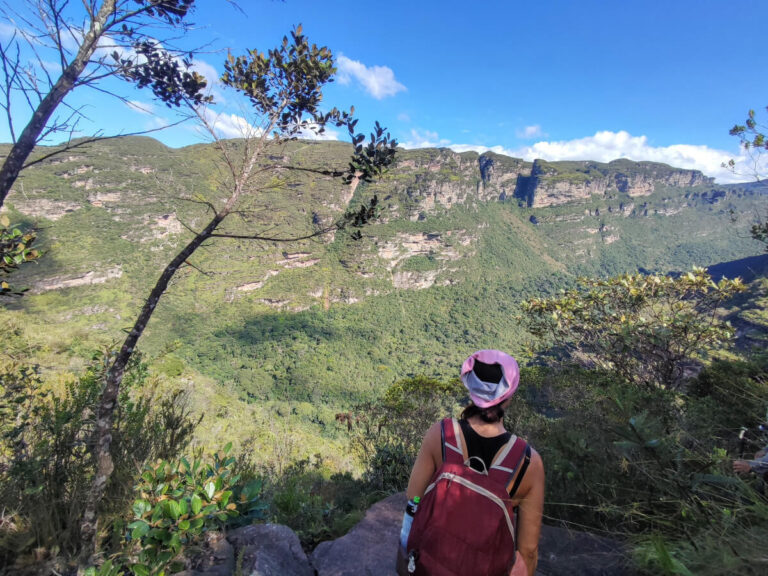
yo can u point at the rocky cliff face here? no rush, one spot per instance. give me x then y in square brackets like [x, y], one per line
[430, 180]
[434, 179]
[553, 183]
[436, 210]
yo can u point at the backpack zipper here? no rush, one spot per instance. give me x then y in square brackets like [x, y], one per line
[451, 477]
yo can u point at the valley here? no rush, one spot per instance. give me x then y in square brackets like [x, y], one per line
[306, 329]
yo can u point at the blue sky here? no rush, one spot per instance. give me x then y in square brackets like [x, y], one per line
[592, 80]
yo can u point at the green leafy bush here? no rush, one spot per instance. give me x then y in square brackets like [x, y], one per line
[647, 329]
[317, 502]
[179, 501]
[15, 250]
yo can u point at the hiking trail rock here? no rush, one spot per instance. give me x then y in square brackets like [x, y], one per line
[269, 550]
[369, 549]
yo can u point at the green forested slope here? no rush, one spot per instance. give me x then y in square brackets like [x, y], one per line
[308, 328]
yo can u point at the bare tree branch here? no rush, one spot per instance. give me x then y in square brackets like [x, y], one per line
[287, 239]
[203, 272]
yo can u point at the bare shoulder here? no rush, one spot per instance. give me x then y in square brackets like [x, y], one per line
[433, 442]
[434, 437]
[537, 463]
[434, 431]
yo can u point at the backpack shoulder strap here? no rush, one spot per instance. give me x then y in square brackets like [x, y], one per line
[453, 449]
[523, 468]
[508, 460]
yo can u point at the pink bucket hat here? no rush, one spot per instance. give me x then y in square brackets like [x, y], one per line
[486, 394]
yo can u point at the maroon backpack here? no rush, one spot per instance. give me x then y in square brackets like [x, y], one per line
[465, 524]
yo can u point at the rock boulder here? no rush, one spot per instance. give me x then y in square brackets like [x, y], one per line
[369, 548]
[269, 550]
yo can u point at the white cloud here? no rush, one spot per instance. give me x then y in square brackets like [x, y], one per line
[425, 139]
[606, 146]
[403, 117]
[378, 81]
[204, 69]
[230, 125]
[312, 135]
[7, 31]
[530, 132]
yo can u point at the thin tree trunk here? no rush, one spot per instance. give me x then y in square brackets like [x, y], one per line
[109, 396]
[23, 147]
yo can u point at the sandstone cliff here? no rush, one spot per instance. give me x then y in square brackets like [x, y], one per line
[431, 179]
[553, 183]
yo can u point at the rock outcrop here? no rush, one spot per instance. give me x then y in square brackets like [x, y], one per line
[268, 549]
[440, 178]
[85, 279]
[553, 183]
[370, 549]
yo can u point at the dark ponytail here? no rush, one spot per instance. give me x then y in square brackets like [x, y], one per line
[490, 415]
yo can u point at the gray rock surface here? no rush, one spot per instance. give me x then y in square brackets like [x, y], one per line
[269, 550]
[217, 560]
[565, 552]
[370, 548]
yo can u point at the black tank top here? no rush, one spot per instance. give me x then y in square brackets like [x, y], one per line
[484, 448]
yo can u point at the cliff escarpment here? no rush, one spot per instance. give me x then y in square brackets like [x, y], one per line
[121, 208]
[553, 183]
[430, 179]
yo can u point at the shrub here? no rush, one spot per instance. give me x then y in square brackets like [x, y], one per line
[647, 329]
[655, 464]
[179, 501]
[387, 434]
[46, 466]
[317, 502]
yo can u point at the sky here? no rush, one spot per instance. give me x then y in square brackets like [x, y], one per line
[552, 79]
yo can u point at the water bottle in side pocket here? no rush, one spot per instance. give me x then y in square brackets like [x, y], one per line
[410, 511]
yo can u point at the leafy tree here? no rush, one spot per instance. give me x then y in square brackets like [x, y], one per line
[51, 53]
[752, 135]
[284, 87]
[648, 329]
